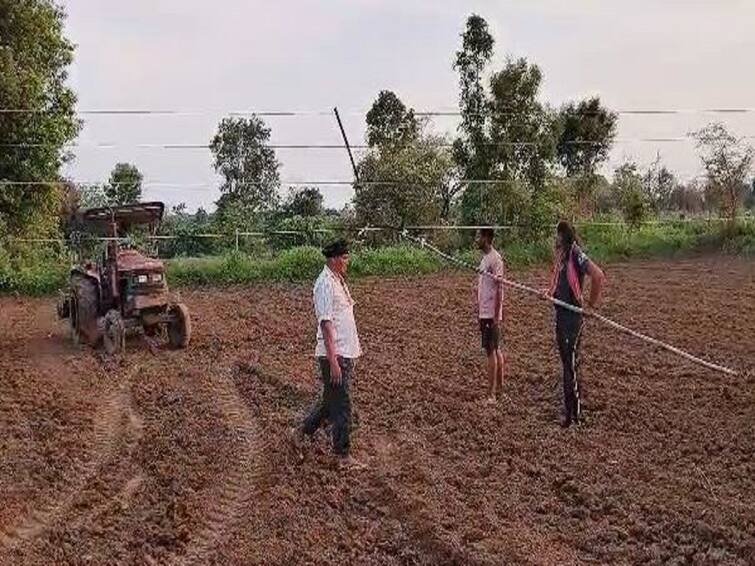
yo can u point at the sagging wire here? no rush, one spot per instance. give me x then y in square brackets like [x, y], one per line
[422, 242]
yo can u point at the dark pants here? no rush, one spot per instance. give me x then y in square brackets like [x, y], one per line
[568, 333]
[334, 405]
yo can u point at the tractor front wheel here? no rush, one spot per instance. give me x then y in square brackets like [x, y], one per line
[179, 327]
[114, 335]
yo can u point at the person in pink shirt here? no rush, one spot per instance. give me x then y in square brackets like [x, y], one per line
[490, 309]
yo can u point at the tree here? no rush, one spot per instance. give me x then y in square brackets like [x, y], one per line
[390, 123]
[505, 133]
[750, 198]
[406, 175]
[304, 201]
[688, 198]
[249, 167]
[404, 185]
[92, 196]
[34, 57]
[396, 137]
[472, 145]
[522, 132]
[586, 134]
[586, 131]
[728, 161]
[630, 194]
[658, 184]
[125, 184]
[185, 229]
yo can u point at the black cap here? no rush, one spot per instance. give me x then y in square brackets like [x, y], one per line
[335, 249]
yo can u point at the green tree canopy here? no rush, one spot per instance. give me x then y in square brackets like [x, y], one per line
[659, 184]
[630, 194]
[586, 133]
[34, 57]
[471, 149]
[303, 201]
[506, 134]
[389, 122]
[249, 167]
[413, 184]
[728, 162]
[406, 175]
[522, 130]
[124, 185]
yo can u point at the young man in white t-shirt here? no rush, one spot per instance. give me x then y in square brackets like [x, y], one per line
[490, 309]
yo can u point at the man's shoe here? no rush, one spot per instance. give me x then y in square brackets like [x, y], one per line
[566, 422]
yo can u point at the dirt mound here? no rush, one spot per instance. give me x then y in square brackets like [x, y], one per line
[183, 457]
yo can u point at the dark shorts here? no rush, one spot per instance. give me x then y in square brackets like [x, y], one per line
[491, 334]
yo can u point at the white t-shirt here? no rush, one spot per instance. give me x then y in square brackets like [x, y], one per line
[333, 302]
[487, 287]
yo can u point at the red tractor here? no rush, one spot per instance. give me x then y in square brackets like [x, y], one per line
[124, 290]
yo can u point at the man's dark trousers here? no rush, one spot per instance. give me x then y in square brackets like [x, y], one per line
[334, 405]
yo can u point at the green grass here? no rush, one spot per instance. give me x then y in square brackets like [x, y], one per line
[44, 275]
[32, 276]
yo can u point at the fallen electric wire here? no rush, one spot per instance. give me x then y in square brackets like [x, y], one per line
[424, 244]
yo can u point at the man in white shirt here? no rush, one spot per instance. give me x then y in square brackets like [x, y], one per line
[490, 309]
[337, 348]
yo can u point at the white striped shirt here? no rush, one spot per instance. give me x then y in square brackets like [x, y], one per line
[333, 302]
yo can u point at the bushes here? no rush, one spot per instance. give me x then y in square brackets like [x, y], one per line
[34, 274]
[44, 272]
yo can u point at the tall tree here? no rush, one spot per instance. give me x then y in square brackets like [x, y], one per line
[390, 123]
[411, 184]
[728, 162]
[505, 135]
[586, 131]
[243, 156]
[125, 184]
[627, 184]
[471, 147]
[522, 131]
[34, 57]
[659, 184]
[303, 201]
[412, 166]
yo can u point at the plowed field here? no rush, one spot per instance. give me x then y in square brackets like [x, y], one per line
[183, 457]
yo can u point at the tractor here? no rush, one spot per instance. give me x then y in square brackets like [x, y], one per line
[124, 290]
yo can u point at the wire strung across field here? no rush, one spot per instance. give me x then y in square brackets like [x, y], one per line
[293, 183]
[365, 229]
[324, 146]
[422, 242]
[503, 111]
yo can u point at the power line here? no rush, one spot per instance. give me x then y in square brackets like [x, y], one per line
[295, 113]
[325, 183]
[334, 146]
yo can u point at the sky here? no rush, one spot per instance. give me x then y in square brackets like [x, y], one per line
[207, 59]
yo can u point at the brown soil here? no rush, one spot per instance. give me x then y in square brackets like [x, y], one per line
[184, 457]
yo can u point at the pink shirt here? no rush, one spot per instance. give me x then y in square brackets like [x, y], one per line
[487, 287]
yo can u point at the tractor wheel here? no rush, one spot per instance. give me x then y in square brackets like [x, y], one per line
[73, 320]
[114, 335]
[83, 315]
[179, 328]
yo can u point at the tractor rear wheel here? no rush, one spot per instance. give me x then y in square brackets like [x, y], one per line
[179, 327]
[83, 315]
[114, 335]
